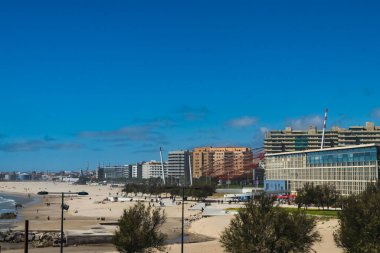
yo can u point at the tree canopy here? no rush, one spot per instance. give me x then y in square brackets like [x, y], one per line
[323, 196]
[360, 222]
[199, 190]
[263, 228]
[138, 230]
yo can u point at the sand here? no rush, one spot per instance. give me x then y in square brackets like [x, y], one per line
[85, 212]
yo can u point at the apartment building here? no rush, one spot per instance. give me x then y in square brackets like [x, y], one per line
[137, 170]
[290, 140]
[220, 161]
[178, 171]
[153, 169]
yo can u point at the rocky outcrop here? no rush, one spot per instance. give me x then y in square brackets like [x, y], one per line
[38, 239]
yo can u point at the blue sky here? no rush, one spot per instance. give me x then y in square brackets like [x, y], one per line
[89, 82]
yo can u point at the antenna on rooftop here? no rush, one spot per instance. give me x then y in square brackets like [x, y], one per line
[324, 129]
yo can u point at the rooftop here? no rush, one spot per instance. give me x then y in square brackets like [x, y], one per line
[325, 149]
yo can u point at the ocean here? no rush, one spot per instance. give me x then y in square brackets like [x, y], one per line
[8, 203]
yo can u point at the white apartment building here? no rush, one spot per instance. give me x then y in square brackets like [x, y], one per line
[137, 171]
[153, 169]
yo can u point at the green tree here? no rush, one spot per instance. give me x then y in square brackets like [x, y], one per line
[263, 228]
[323, 196]
[138, 230]
[360, 222]
[306, 195]
[200, 191]
[329, 196]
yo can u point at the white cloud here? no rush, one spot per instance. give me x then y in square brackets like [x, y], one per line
[242, 121]
[305, 122]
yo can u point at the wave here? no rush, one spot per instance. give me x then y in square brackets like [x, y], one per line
[7, 201]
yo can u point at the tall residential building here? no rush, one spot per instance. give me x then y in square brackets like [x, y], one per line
[350, 169]
[114, 173]
[153, 169]
[290, 140]
[356, 135]
[137, 170]
[179, 167]
[219, 162]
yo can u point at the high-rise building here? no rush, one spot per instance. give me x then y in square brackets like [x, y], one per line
[290, 140]
[153, 169]
[137, 170]
[179, 167]
[220, 161]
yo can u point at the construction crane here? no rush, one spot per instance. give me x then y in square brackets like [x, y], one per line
[162, 167]
[324, 129]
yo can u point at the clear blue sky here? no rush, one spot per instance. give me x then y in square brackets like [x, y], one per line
[88, 82]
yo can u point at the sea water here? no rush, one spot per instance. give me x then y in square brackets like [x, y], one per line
[7, 204]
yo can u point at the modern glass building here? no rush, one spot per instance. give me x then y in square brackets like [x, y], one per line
[349, 168]
[114, 173]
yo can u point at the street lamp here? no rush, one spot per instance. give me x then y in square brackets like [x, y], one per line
[63, 207]
[183, 210]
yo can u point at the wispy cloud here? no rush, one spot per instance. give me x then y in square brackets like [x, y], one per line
[125, 133]
[244, 121]
[36, 145]
[192, 114]
[376, 113]
[369, 91]
[147, 150]
[49, 138]
[125, 136]
[159, 122]
[305, 122]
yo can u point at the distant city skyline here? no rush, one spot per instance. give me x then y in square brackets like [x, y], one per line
[94, 82]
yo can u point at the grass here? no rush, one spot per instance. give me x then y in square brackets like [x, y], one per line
[313, 212]
[316, 212]
[232, 186]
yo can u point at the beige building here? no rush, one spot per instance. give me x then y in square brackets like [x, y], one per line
[290, 140]
[219, 162]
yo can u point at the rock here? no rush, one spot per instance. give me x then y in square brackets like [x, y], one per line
[31, 236]
[8, 238]
[37, 237]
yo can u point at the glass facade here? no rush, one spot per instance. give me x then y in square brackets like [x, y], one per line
[349, 169]
[350, 156]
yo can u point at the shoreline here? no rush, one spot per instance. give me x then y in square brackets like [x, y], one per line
[25, 200]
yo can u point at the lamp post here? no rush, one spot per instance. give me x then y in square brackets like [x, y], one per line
[183, 212]
[63, 207]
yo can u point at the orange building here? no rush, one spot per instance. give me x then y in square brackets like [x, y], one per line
[220, 162]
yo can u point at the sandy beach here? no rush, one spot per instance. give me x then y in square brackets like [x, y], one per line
[86, 212]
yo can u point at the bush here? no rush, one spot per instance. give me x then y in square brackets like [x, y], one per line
[262, 228]
[360, 222]
[139, 230]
